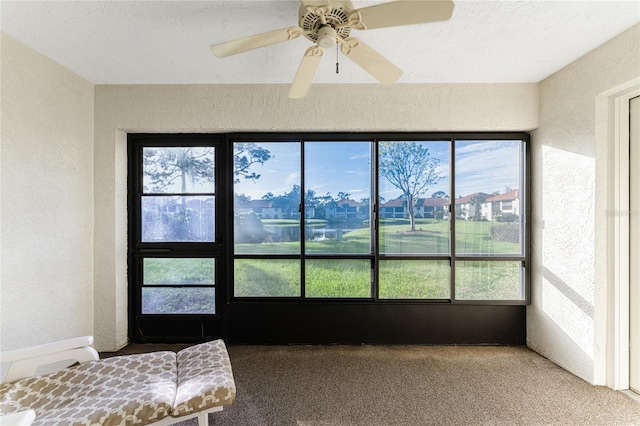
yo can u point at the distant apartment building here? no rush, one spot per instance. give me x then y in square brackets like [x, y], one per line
[263, 208]
[425, 208]
[482, 206]
[470, 206]
[499, 205]
[346, 209]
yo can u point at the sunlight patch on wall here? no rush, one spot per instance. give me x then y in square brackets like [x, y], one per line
[567, 244]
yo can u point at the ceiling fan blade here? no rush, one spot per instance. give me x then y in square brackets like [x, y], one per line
[395, 13]
[241, 45]
[315, 2]
[306, 72]
[370, 60]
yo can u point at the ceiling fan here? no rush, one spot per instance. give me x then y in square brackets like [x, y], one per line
[327, 22]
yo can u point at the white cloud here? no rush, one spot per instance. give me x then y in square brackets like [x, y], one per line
[293, 178]
[487, 166]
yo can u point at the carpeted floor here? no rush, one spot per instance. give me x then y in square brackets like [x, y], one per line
[410, 385]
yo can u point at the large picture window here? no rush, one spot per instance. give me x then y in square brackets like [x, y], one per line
[380, 219]
[328, 238]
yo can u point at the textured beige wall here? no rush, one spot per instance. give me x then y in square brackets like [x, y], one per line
[566, 321]
[46, 239]
[202, 108]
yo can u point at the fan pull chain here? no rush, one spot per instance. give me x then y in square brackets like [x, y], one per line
[337, 60]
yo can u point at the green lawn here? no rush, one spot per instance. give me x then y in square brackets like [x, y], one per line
[398, 279]
[479, 280]
[348, 278]
[476, 238]
[431, 237]
[267, 278]
[414, 279]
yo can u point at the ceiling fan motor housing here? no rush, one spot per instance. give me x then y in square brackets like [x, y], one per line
[335, 13]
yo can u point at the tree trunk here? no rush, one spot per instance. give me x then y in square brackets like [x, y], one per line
[184, 228]
[412, 217]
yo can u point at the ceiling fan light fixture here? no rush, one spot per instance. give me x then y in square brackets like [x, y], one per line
[327, 36]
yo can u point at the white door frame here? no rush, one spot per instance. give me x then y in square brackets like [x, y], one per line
[618, 224]
[634, 270]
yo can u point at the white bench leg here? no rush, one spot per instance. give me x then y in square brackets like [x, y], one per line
[203, 419]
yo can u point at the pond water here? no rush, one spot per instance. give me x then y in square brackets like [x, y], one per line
[313, 232]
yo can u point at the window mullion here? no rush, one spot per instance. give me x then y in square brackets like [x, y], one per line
[452, 219]
[375, 220]
[303, 219]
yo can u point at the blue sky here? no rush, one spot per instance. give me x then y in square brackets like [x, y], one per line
[487, 166]
[481, 166]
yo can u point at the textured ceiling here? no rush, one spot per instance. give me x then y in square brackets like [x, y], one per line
[165, 42]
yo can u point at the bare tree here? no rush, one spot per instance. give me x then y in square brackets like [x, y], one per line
[409, 167]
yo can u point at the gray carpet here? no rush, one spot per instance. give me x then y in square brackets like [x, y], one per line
[411, 385]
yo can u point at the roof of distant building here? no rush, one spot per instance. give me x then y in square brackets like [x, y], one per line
[429, 202]
[467, 198]
[265, 204]
[507, 196]
[347, 201]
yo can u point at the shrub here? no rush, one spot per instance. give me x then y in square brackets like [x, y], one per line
[505, 232]
[249, 229]
[507, 217]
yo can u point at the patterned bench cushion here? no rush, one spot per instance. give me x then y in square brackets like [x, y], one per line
[205, 379]
[134, 389]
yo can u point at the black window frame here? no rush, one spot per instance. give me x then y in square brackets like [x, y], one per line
[261, 320]
[173, 327]
[376, 257]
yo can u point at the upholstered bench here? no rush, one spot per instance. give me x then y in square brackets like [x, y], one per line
[159, 388]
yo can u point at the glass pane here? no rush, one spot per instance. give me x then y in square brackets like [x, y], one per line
[178, 170]
[178, 300]
[170, 271]
[178, 218]
[414, 279]
[267, 197]
[482, 280]
[488, 203]
[337, 199]
[414, 197]
[267, 278]
[338, 278]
